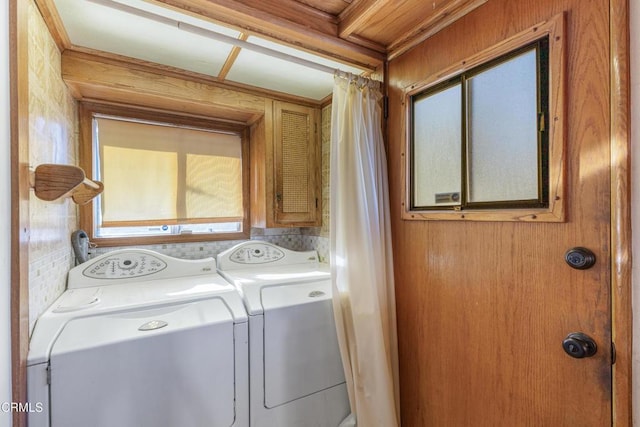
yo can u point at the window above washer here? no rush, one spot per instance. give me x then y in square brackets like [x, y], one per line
[166, 178]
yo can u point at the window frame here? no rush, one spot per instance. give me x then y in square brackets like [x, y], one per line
[540, 47]
[86, 111]
[549, 207]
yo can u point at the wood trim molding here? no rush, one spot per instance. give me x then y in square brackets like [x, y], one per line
[53, 21]
[19, 102]
[105, 80]
[621, 242]
[86, 70]
[231, 59]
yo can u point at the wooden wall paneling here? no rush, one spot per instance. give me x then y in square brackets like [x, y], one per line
[19, 101]
[621, 233]
[415, 33]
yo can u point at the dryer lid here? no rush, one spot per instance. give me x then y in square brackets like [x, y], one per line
[275, 297]
[301, 353]
[260, 297]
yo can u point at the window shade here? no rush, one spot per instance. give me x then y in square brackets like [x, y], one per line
[156, 174]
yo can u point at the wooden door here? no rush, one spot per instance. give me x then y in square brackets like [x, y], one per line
[483, 307]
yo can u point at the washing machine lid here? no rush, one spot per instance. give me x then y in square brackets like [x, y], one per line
[92, 301]
[84, 333]
[113, 369]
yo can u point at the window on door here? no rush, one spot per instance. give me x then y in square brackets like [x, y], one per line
[486, 143]
[479, 140]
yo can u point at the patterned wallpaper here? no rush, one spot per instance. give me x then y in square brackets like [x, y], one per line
[53, 135]
[326, 161]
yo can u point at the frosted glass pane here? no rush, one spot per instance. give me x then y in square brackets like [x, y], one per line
[437, 148]
[503, 135]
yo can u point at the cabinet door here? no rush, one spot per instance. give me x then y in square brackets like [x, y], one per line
[297, 165]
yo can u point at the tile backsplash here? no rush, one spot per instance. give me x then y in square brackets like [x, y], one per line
[290, 238]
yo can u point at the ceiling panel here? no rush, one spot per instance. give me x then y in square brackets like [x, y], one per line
[276, 74]
[260, 70]
[99, 27]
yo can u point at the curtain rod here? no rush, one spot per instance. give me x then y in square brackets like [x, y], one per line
[359, 80]
[214, 36]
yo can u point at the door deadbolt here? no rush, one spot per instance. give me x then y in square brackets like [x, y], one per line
[580, 258]
[579, 345]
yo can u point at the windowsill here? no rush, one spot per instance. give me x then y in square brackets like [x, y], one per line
[158, 240]
[555, 213]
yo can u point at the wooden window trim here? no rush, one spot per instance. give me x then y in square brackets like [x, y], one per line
[86, 111]
[555, 212]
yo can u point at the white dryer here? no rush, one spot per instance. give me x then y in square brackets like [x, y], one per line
[295, 374]
[140, 339]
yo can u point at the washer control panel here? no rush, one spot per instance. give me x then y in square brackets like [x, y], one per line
[256, 253]
[124, 265]
[260, 254]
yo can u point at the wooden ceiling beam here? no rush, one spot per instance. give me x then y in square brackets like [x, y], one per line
[357, 14]
[287, 22]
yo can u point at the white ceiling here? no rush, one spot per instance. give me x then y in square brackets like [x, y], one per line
[102, 25]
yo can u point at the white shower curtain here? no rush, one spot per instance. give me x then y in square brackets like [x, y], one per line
[361, 257]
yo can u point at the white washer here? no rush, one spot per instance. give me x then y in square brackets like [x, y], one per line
[295, 370]
[140, 339]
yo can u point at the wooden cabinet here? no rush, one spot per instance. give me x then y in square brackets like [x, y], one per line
[286, 167]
